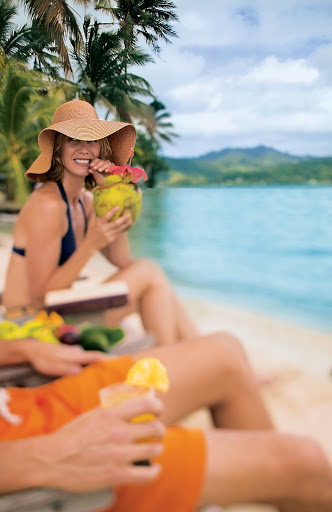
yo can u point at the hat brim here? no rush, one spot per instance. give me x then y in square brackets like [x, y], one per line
[121, 136]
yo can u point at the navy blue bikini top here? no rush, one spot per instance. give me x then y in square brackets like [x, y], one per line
[68, 242]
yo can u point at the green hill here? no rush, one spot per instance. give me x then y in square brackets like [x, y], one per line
[257, 165]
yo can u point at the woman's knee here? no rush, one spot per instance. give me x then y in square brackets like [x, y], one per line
[228, 350]
[151, 270]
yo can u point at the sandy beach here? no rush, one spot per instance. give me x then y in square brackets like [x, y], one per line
[298, 361]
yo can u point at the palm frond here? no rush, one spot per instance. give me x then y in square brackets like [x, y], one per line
[60, 21]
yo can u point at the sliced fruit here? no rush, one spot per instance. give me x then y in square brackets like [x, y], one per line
[55, 319]
[148, 372]
[52, 320]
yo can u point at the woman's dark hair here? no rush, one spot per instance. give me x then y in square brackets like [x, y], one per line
[55, 172]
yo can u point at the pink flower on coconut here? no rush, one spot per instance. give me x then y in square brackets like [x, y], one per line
[135, 173]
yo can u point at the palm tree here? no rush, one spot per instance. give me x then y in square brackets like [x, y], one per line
[12, 40]
[158, 125]
[59, 22]
[27, 103]
[26, 42]
[41, 50]
[146, 156]
[150, 18]
[101, 78]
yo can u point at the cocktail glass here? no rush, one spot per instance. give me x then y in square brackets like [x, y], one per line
[118, 393]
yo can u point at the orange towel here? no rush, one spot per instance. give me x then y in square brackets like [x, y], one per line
[46, 408]
[179, 485]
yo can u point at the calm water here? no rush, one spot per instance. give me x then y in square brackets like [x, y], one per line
[267, 249]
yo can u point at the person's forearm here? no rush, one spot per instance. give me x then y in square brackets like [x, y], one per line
[20, 466]
[118, 253]
[67, 273]
[13, 352]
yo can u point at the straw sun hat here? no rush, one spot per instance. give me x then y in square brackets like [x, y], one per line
[79, 120]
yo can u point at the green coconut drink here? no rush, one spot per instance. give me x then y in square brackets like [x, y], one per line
[120, 189]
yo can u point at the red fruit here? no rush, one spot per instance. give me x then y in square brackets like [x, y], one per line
[68, 334]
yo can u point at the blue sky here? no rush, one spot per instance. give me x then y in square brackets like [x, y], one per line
[245, 73]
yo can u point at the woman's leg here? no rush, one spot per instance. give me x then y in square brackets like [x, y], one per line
[151, 294]
[212, 371]
[288, 471]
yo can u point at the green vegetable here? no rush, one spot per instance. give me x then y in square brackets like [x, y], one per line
[100, 337]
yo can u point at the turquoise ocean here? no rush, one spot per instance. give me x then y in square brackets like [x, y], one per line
[266, 249]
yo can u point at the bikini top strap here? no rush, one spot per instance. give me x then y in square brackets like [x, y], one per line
[62, 191]
[64, 197]
[85, 219]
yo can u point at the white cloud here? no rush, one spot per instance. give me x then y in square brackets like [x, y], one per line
[204, 92]
[175, 66]
[273, 71]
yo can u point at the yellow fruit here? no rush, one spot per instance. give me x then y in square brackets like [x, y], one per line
[41, 317]
[117, 192]
[53, 320]
[8, 329]
[45, 334]
[148, 372]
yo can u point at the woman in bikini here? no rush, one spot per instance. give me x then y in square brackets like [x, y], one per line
[57, 231]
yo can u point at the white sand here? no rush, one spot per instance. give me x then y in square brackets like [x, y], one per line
[300, 359]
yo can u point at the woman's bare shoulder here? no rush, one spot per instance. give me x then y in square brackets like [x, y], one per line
[44, 201]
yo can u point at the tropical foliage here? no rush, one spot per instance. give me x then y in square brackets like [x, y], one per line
[147, 155]
[55, 57]
[27, 104]
[151, 19]
[100, 72]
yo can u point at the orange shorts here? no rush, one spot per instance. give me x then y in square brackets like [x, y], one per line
[46, 408]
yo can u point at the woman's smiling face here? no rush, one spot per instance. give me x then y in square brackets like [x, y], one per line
[76, 155]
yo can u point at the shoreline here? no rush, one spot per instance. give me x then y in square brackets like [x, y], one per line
[295, 319]
[276, 341]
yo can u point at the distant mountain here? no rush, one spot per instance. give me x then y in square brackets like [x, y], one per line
[239, 166]
[259, 154]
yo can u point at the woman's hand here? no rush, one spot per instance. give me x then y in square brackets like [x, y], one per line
[98, 169]
[99, 165]
[102, 232]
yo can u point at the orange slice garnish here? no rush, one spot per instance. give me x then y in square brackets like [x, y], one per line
[148, 372]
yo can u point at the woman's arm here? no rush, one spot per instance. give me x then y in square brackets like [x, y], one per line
[47, 224]
[118, 253]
